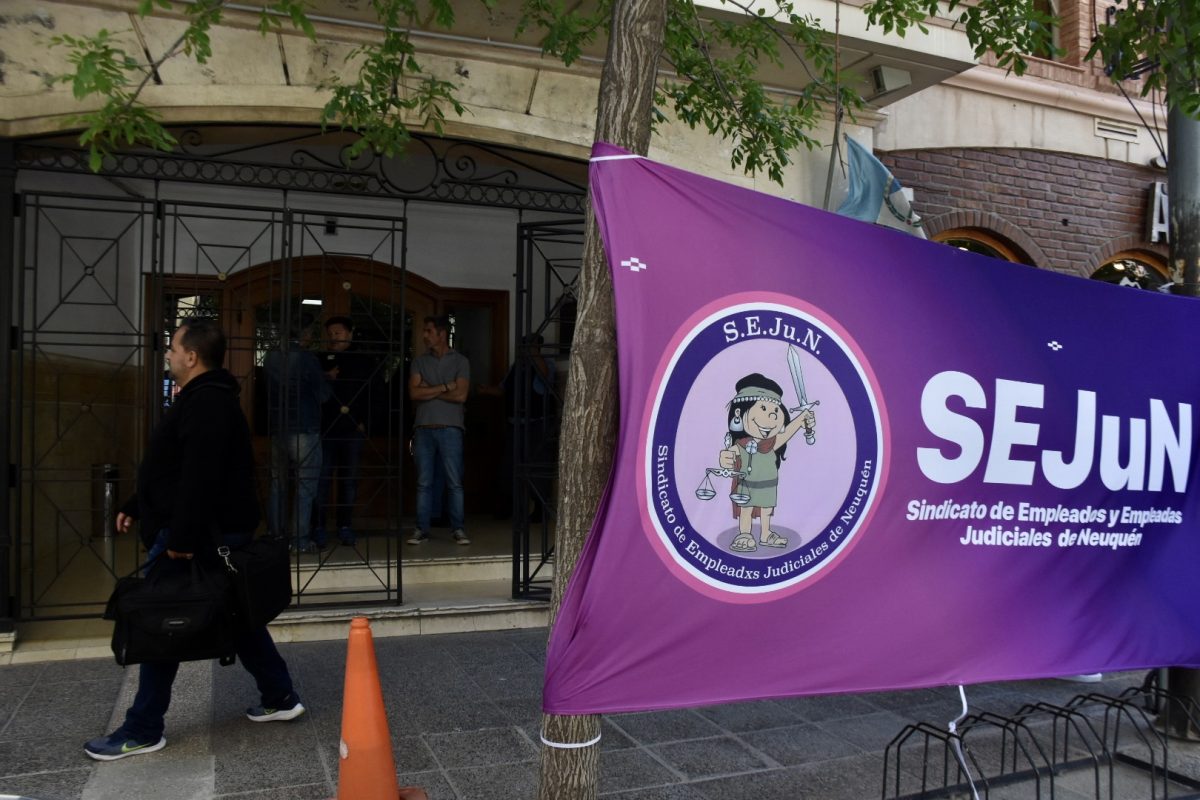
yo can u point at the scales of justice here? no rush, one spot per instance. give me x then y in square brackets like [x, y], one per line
[739, 495]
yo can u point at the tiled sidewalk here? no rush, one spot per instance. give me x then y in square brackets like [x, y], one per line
[464, 714]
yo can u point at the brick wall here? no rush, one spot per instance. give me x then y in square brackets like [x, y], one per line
[1067, 213]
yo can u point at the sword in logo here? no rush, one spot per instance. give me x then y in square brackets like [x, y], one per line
[793, 359]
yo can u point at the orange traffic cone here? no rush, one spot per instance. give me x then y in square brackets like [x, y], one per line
[367, 770]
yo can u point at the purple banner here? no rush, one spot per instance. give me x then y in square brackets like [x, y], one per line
[852, 460]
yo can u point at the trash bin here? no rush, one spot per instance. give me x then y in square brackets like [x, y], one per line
[106, 480]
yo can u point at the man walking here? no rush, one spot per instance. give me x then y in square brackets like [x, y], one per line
[438, 385]
[195, 491]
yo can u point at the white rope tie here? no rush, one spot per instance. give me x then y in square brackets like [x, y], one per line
[563, 746]
[957, 743]
[615, 158]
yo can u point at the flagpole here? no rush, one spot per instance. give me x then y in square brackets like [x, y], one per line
[833, 157]
[837, 99]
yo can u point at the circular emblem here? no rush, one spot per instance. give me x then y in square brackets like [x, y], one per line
[763, 448]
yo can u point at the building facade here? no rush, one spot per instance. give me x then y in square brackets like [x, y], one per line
[263, 220]
[1060, 168]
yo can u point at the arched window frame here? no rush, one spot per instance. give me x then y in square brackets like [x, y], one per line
[1004, 249]
[1150, 259]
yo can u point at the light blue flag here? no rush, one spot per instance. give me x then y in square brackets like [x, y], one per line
[875, 193]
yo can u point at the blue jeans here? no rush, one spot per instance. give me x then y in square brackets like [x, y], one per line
[342, 453]
[144, 720]
[437, 495]
[303, 451]
[439, 449]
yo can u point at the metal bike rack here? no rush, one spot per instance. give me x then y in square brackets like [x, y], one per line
[1039, 746]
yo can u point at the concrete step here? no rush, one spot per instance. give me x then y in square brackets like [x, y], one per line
[434, 605]
[341, 574]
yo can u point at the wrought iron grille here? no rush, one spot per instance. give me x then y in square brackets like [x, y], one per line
[79, 367]
[549, 255]
[307, 160]
[102, 283]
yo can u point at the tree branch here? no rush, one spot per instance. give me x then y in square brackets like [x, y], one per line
[702, 45]
[766, 21]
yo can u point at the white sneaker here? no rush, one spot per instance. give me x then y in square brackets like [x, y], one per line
[460, 536]
[1087, 677]
[262, 714]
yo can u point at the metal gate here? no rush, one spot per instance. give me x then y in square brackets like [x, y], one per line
[548, 261]
[102, 282]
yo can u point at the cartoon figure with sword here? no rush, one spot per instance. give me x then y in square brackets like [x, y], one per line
[759, 427]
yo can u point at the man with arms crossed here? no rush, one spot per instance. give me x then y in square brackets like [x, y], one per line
[438, 386]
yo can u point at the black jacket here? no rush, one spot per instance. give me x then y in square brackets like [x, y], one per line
[197, 475]
[351, 390]
[296, 388]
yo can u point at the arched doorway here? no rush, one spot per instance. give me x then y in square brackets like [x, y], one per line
[388, 306]
[111, 274]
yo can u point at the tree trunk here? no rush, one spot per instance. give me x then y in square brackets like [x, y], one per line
[1183, 186]
[589, 427]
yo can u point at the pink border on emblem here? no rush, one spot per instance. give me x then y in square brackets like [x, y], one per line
[670, 355]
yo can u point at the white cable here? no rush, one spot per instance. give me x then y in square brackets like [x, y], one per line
[957, 743]
[614, 158]
[574, 746]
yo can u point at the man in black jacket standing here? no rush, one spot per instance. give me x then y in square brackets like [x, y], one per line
[195, 491]
[344, 419]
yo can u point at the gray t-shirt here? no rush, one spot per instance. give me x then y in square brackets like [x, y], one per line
[435, 371]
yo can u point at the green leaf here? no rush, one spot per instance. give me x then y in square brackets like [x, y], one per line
[717, 60]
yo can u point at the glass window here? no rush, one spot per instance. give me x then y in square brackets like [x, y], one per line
[975, 246]
[268, 325]
[1135, 270]
[1050, 9]
[177, 307]
[985, 243]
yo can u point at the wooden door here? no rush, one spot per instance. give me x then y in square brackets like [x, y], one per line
[388, 307]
